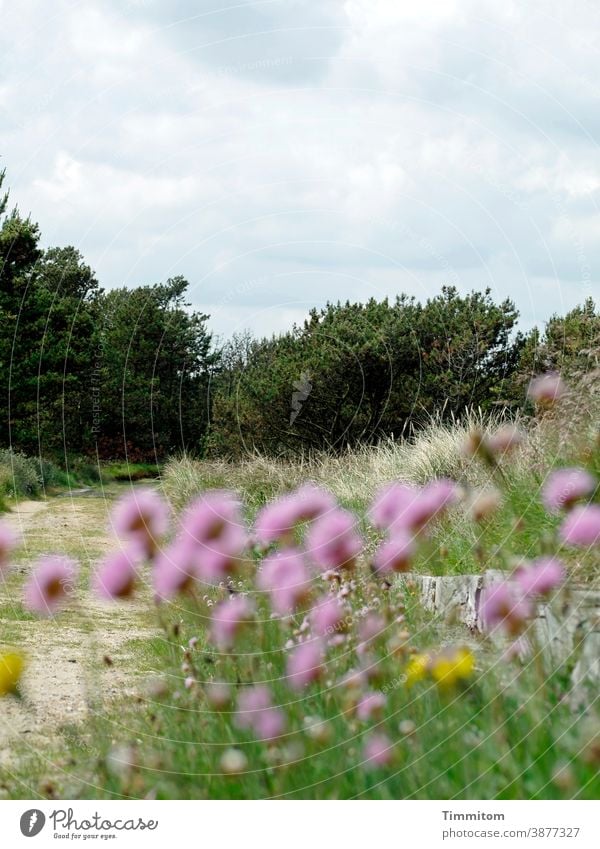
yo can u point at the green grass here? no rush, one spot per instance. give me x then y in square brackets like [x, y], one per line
[504, 736]
[123, 471]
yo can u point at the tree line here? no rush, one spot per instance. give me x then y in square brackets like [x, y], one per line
[136, 372]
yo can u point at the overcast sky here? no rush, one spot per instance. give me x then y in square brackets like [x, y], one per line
[283, 153]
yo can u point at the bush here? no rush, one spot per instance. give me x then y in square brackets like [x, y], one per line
[20, 476]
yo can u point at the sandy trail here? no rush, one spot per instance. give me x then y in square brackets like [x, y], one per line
[65, 676]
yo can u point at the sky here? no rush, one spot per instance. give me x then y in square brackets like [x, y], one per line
[284, 153]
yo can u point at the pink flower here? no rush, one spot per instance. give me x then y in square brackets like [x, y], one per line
[276, 521]
[228, 619]
[541, 576]
[431, 502]
[566, 486]
[214, 516]
[255, 711]
[582, 526]
[505, 439]
[327, 616]
[377, 750]
[312, 501]
[117, 574]
[305, 664]
[399, 507]
[332, 541]
[175, 570]
[50, 584]
[370, 705]
[395, 554]
[371, 627]
[142, 517]
[8, 542]
[285, 577]
[503, 608]
[390, 503]
[547, 389]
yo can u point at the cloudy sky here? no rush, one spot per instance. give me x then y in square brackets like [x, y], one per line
[282, 153]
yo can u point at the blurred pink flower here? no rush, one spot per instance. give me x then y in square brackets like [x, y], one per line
[285, 577]
[215, 516]
[394, 555]
[400, 507]
[371, 627]
[546, 389]
[377, 750]
[505, 439]
[228, 619]
[8, 542]
[269, 724]
[142, 517]
[50, 584]
[117, 574]
[327, 616]
[175, 570]
[332, 541]
[541, 576]
[370, 706]
[582, 526]
[305, 664]
[255, 711]
[312, 501]
[276, 521]
[390, 503]
[566, 486]
[502, 607]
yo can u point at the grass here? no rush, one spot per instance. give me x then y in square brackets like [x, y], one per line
[511, 731]
[502, 737]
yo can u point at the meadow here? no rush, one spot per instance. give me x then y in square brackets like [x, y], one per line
[254, 629]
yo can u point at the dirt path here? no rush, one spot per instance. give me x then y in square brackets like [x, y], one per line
[66, 676]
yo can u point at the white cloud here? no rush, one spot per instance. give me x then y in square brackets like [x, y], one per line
[327, 150]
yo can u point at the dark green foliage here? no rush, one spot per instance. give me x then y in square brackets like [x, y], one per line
[357, 372]
[112, 375]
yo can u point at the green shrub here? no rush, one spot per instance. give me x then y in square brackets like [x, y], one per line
[20, 476]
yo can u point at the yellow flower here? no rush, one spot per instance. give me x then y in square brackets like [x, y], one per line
[417, 668]
[452, 665]
[11, 667]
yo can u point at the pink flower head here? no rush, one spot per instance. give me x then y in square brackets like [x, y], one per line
[390, 503]
[395, 554]
[141, 517]
[332, 541]
[117, 574]
[546, 389]
[255, 711]
[327, 617]
[285, 577]
[566, 486]
[276, 521]
[541, 577]
[312, 501]
[213, 524]
[377, 750]
[503, 608]
[305, 664]
[8, 542]
[431, 502]
[371, 627]
[582, 526]
[370, 706]
[175, 570]
[228, 619]
[505, 439]
[50, 584]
